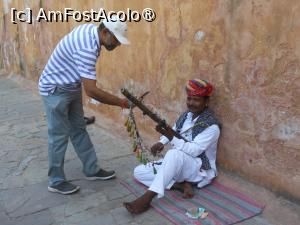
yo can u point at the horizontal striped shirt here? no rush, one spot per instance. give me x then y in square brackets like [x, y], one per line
[74, 57]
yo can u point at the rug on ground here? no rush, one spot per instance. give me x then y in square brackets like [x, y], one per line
[223, 204]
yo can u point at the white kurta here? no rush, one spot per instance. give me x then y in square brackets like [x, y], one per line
[181, 162]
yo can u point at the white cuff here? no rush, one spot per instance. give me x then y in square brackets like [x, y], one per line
[164, 140]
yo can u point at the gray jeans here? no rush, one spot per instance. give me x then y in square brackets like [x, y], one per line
[64, 112]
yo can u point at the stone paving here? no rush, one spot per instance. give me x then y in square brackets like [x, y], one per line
[24, 198]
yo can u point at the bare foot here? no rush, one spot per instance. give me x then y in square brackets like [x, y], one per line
[141, 204]
[187, 190]
[178, 187]
[184, 187]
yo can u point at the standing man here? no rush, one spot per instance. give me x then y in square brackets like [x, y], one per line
[73, 63]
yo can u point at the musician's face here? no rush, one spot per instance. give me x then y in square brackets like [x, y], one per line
[196, 104]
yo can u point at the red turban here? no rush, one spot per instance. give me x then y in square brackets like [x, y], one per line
[199, 88]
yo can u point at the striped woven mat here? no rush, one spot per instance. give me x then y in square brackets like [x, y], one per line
[224, 205]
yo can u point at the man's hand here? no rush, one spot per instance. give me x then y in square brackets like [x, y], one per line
[94, 92]
[125, 103]
[166, 131]
[157, 147]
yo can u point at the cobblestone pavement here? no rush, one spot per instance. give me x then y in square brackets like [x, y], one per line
[24, 198]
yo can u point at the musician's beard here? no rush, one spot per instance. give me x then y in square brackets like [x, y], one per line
[195, 110]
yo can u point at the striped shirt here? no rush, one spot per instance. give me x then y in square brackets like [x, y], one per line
[74, 57]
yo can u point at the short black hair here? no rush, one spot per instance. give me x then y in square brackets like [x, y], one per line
[101, 26]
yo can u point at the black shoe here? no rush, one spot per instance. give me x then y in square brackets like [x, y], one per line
[89, 120]
[102, 175]
[64, 188]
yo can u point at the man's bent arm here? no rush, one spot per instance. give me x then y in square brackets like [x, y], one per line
[94, 92]
[201, 142]
[163, 139]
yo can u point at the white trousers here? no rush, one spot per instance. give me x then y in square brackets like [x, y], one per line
[176, 166]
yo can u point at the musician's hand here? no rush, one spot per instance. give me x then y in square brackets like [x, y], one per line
[157, 147]
[166, 131]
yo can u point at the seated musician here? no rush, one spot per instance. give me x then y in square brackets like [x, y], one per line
[191, 160]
